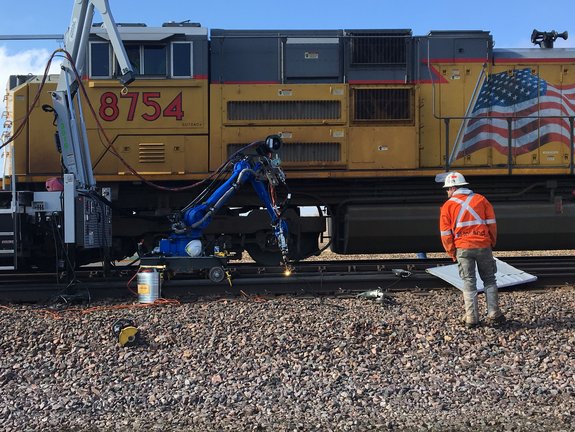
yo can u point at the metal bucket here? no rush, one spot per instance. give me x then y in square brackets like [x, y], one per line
[149, 284]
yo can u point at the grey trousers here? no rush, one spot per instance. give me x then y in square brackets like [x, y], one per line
[467, 259]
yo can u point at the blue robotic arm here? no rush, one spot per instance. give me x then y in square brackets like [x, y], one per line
[194, 219]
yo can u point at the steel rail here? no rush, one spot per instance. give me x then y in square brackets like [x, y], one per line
[308, 278]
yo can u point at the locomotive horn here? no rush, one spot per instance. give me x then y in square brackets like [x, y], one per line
[546, 39]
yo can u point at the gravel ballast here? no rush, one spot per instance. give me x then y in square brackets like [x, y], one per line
[288, 364]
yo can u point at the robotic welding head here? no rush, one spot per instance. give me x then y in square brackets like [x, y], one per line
[271, 144]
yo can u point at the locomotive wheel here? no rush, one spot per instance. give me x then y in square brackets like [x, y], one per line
[216, 274]
[262, 257]
[308, 246]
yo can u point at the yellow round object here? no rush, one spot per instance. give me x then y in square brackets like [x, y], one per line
[128, 336]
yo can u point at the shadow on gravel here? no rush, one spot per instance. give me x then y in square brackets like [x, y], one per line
[551, 323]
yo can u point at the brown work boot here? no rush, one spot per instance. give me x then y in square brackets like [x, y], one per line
[495, 319]
[471, 325]
[468, 324]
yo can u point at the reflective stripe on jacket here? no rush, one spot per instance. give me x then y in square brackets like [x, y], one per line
[467, 221]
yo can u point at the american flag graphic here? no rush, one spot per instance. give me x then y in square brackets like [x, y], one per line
[518, 95]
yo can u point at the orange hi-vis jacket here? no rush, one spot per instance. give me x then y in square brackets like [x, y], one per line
[467, 221]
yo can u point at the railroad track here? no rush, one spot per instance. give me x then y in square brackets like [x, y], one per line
[307, 278]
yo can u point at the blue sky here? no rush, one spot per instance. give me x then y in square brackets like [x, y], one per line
[510, 21]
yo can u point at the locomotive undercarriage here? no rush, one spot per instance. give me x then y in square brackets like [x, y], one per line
[233, 233]
[533, 213]
[387, 215]
[368, 216]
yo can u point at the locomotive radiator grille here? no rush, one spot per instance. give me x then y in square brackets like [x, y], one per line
[151, 153]
[383, 105]
[302, 152]
[284, 110]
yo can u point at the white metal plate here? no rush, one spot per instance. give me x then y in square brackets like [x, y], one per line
[506, 275]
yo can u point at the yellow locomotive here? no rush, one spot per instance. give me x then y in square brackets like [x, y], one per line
[368, 118]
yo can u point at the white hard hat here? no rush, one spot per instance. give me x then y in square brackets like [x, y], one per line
[454, 179]
[194, 248]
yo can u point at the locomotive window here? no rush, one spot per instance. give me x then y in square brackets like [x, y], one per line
[154, 60]
[133, 52]
[377, 48]
[100, 60]
[383, 105]
[182, 59]
[147, 60]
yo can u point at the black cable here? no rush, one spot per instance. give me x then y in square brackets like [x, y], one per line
[237, 155]
[207, 191]
[58, 237]
[52, 225]
[33, 105]
[66, 256]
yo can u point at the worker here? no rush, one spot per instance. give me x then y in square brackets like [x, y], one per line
[468, 233]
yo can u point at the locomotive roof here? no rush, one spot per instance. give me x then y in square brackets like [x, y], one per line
[140, 32]
[518, 54]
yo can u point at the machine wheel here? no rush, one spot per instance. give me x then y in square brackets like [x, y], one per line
[216, 274]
